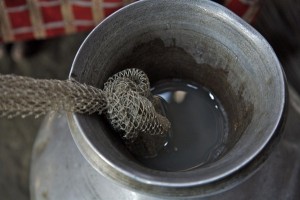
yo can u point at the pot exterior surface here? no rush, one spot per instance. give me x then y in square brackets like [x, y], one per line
[59, 171]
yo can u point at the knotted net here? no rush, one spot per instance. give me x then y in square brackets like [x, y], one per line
[126, 101]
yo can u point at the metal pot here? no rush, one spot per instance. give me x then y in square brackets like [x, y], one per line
[196, 40]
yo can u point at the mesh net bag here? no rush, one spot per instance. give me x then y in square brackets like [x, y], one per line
[134, 111]
[126, 101]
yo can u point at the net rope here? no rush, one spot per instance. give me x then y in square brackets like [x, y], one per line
[125, 100]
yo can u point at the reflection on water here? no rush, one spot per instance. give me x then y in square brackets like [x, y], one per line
[199, 127]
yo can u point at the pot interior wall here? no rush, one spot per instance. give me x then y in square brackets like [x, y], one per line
[182, 54]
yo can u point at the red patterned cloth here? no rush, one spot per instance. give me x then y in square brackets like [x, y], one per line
[40, 19]
[246, 9]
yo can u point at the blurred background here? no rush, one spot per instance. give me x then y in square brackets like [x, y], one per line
[278, 21]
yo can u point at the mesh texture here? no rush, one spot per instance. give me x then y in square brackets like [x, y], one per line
[126, 101]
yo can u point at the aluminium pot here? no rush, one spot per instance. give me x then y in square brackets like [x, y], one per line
[197, 40]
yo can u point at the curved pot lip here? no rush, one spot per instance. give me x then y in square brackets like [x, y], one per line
[138, 177]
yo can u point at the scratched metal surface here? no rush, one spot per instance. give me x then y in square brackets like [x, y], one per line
[55, 156]
[279, 178]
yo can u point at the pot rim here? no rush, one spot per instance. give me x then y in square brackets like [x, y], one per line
[184, 183]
